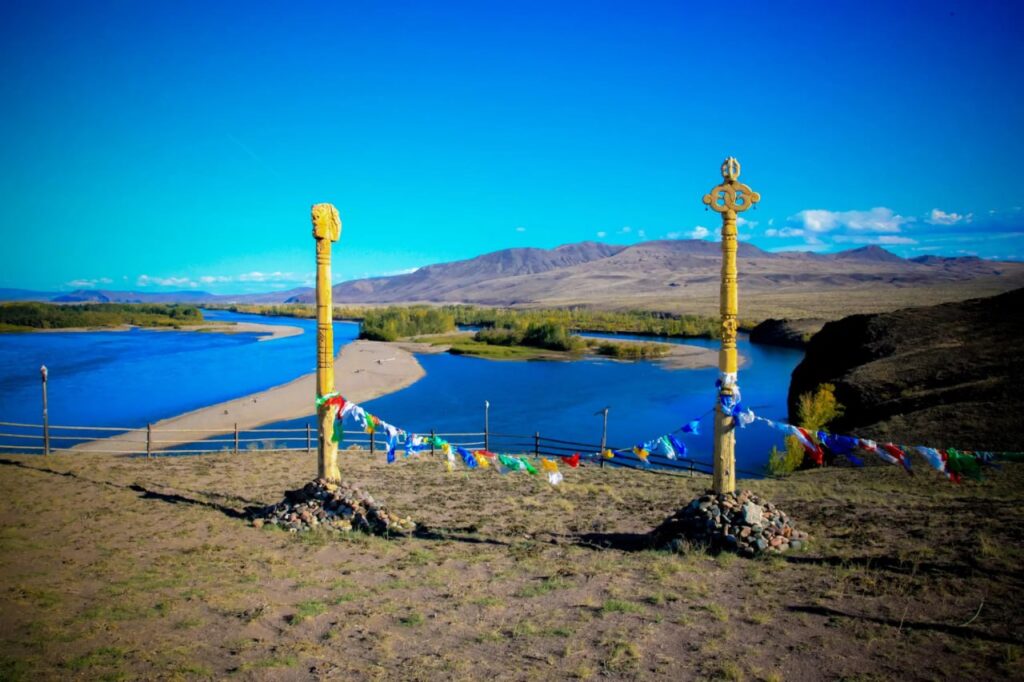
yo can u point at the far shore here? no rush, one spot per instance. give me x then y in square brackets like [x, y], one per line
[679, 356]
[364, 370]
[267, 332]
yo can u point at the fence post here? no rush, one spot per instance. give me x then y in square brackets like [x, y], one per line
[487, 438]
[373, 437]
[536, 444]
[236, 438]
[604, 436]
[432, 442]
[46, 414]
[149, 440]
[309, 439]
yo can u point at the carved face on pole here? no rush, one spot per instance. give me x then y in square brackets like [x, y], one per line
[326, 222]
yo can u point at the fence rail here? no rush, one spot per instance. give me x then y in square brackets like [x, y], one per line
[160, 441]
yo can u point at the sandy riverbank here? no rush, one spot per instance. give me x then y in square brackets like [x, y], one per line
[267, 331]
[363, 370]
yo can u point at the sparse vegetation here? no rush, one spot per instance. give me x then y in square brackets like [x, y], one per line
[390, 324]
[815, 411]
[524, 584]
[32, 315]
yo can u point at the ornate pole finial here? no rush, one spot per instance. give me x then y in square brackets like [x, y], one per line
[729, 198]
[731, 168]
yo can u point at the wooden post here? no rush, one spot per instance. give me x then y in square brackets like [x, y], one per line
[432, 442]
[487, 439]
[536, 444]
[46, 413]
[326, 229]
[149, 440]
[729, 198]
[604, 435]
[309, 439]
[373, 438]
[236, 438]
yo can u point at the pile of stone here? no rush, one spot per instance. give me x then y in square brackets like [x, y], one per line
[331, 506]
[731, 522]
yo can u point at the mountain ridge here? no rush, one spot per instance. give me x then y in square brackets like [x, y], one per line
[664, 275]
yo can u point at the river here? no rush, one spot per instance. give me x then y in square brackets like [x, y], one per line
[131, 378]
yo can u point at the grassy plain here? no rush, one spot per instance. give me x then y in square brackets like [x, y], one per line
[114, 568]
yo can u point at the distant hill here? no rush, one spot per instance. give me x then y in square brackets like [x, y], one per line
[105, 296]
[684, 275]
[25, 295]
[453, 281]
[945, 376]
[110, 296]
[673, 276]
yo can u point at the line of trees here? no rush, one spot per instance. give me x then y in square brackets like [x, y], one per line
[389, 324]
[33, 315]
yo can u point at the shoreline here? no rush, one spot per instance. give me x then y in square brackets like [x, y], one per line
[679, 356]
[269, 332]
[365, 369]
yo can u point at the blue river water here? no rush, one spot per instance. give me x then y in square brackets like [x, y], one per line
[131, 378]
[139, 376]
[563, 400]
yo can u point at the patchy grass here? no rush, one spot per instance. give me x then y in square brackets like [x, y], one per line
[905, 577]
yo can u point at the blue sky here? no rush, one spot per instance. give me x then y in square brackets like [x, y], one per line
[179, 145]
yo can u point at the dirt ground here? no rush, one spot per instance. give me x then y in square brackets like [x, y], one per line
[117, 568]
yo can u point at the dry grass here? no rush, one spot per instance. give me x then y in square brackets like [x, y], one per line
[116, 568]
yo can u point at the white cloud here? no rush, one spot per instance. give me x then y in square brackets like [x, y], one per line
[641, 233]
[602, 234]
[743, 222]
[940, 217]
[625, 230]
[699, 232]
[784, 232]
[88, 283]
[520, 229]
[879, 219]
[885, 239]
[146, 280]
[771, 221]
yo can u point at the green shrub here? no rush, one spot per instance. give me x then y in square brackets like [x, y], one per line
[814, 412]
[393, 323]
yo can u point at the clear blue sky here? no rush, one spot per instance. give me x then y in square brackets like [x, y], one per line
[157, 145]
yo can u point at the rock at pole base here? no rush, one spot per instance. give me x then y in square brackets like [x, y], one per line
[740, 522]
[330, 506]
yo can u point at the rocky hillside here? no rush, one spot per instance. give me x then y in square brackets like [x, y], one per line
[682, 276]
[786, 333]
[671, 276]
[947, 375]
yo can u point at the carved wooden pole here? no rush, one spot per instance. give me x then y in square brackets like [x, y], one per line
[326, 229]
[729, 198]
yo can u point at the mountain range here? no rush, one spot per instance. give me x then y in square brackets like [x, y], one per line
[668, 275]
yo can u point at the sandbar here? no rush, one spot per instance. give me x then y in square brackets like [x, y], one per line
[363, 370]
[267, 331]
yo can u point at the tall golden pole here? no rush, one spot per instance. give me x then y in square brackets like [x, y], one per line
[326, 229]
[729, 198]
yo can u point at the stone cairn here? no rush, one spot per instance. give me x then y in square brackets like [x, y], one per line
[332, 507]
[731, 522]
